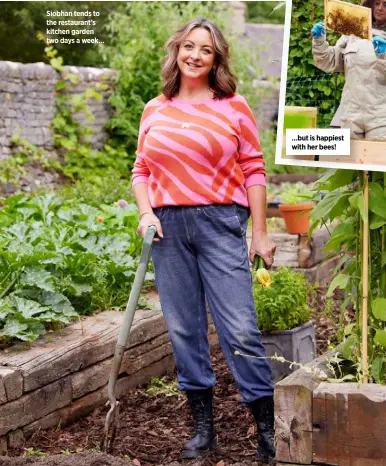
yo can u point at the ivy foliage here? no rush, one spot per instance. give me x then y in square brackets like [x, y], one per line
[310, 86]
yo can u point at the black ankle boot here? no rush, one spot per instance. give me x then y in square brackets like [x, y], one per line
[263, 412]
[203, 440]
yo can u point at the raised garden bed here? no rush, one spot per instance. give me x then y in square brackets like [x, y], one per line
[154, 426]
[63, 376]
[325, 423]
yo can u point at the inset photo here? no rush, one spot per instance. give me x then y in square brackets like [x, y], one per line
[335, 91]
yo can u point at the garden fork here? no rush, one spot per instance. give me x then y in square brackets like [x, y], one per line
[111, 423]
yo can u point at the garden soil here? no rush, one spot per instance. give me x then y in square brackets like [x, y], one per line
[155, 424]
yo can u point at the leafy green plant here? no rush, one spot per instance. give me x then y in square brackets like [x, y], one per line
[60, 259]
[304, 15]
[295, 193]
[93, 191]
[72, 138]
[284, 304]
[32, 452]
[77, 158]
[160, 386]
[23, 154]
[342, 210]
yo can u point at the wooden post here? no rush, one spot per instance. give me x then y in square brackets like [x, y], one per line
[365, 277]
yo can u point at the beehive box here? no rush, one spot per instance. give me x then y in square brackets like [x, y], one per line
[348, 19]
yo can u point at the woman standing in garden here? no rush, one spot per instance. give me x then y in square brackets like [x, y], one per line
[198, 175]
[363, 104]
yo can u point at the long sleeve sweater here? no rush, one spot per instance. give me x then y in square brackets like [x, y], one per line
[198, 152]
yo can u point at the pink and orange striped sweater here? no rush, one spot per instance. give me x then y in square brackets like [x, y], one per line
[198, 152]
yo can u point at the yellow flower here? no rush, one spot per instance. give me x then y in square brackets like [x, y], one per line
[99, 219]
[263, 277]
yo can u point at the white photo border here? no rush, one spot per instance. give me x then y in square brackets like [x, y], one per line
[280, 123]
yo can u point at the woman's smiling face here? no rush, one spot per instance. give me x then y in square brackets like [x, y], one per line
[379, 12]
[196, 54]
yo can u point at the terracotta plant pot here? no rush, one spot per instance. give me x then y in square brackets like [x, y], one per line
[296, 217]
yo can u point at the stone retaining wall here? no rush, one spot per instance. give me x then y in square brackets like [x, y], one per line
[27, 102]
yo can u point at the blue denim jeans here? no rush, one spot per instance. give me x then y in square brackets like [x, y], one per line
[204, 254]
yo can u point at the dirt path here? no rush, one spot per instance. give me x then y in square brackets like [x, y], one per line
[100, 459]
[82, 459]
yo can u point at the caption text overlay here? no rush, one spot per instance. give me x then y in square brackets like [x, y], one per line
[71, 27]
[318, 141]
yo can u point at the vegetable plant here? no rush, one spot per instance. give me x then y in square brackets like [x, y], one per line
[62, 258]
[295, 193]
[283, 304]
[342, 210]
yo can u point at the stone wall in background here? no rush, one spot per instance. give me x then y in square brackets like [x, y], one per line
[27, 103]
[27, 99]
[266, 111]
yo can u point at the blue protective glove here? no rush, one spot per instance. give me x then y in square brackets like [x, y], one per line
[318, 30]
[379, 44]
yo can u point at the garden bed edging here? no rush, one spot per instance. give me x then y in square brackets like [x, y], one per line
[63, 376]
[334, 424]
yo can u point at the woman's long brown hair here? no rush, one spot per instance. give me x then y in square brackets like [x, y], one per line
[221, 79]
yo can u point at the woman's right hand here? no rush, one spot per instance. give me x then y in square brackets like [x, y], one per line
[318, 30]
[146, 220]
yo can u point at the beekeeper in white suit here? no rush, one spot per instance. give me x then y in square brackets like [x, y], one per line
[363, 104]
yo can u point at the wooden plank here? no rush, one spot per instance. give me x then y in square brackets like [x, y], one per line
[293, 414]
[71, 350]
[3, 446]
[349, 422]
[134, 360]
[159, 368]
[288, 464]
[3, 393]
[34, 405]
[85, 405]
[362, 152]
[70, 413]
[97, 375]
[16, 439]
[293, 178]
[11, 384]
[362, 462]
